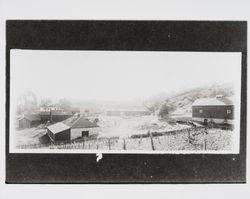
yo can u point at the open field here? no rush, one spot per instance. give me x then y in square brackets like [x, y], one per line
[124, 127]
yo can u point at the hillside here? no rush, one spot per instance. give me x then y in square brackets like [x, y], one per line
[183, 100]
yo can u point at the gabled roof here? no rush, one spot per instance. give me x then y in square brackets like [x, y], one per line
[213, 102]
[32, 117]
[58, 127]
[79, 122]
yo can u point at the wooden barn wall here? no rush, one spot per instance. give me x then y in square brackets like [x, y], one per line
[51, 135]
[63, 136]
[77, 132]
[55, 118]
[35, 123]
[24, 123]
[219, 112]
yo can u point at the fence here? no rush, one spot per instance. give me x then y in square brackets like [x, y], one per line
[190, 138]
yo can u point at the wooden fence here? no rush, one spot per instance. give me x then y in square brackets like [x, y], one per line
[149, 141]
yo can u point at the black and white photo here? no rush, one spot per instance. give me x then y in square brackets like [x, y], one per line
[135, 102]
[102, 101]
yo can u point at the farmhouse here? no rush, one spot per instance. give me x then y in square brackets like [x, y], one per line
[49, 108]
[29, 121]
[58, 132]
[219, 110]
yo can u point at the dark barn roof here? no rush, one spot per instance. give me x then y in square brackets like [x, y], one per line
[55, 112]
[32, 117]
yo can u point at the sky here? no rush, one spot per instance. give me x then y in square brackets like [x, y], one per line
[117, 75]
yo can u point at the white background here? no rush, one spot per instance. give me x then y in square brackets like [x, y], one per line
[115, 9]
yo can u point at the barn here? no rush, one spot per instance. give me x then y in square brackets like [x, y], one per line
[58, 132]
[81, 126]
[29, 121]
[219, 110]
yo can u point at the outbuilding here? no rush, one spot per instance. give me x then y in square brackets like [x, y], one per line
[29, 121]
[219, 110]
[58, 132]
[81, 127]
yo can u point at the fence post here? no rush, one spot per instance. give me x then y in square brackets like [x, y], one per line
[205, 139]
[188, 135]
[83, 143]
[152, 142]
[109, 144]
[124, 144]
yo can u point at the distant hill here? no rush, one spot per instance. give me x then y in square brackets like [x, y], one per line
[184, 99]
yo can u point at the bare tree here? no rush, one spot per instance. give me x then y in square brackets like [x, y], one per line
[45, 102]
[27, 103]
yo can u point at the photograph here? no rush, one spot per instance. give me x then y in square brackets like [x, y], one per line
[101, 101]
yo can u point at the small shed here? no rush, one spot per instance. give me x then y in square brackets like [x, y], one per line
[219, 110]
[58, 132]
[29, 121]
[81, 127]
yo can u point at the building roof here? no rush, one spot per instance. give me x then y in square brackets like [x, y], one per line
[55, 112]
[79, 122]
[213, 102]
[58, 127]
[32, 117]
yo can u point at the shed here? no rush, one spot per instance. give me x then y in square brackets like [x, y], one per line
[218, 110]
[81, 127]
[59, 132]
[29, 121]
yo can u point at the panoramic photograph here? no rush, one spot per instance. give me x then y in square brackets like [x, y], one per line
[67, 101]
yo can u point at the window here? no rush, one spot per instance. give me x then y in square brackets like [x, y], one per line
[201, 111]
[228, 111]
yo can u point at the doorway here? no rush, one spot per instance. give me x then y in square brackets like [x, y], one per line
[85, 133]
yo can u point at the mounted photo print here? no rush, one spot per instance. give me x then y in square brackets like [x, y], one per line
[126, 101]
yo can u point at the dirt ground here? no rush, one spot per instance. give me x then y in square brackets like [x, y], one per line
[122, 127]
[28, 136]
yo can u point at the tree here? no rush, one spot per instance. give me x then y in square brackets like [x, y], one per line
[152, 107]
[165, 110]
[26, 103]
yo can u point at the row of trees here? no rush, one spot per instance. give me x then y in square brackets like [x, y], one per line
[28, 103]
